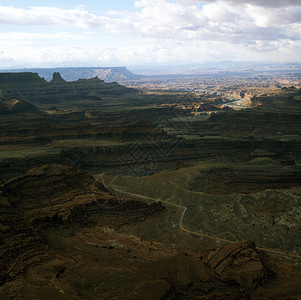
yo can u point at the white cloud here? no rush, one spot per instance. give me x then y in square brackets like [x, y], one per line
[189, 2]
[265, 3]
[78, 16]
[164, 31]
[32, 36]
[163, 19]
[149, 51]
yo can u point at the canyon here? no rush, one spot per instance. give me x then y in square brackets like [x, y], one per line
[107, 192]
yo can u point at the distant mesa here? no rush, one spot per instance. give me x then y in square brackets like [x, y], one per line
[23, 78]
[110, 74]
[94, 79]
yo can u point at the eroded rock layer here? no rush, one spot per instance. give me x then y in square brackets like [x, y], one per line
[54, 195]
[59, 230]
[247, 181]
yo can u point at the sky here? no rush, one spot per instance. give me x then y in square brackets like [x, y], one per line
[38, 33]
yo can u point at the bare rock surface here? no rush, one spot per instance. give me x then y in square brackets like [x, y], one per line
[52, 195]
[65, 236]
[241, 262]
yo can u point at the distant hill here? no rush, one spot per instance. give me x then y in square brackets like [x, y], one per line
[72, 74]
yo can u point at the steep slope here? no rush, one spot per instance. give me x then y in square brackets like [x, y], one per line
[12, 106]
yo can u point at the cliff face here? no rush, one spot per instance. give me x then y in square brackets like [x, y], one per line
[25, 78]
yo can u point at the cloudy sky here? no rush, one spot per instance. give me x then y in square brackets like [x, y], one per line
[38, 33]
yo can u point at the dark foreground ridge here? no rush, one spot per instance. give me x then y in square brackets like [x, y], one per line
[54, 201]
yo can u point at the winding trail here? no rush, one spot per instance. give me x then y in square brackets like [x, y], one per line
[182, 227]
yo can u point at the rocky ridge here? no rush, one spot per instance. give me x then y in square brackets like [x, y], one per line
[32, 88]
[51, 195]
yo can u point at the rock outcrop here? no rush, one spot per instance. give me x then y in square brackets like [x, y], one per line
[230, 272]
[57, 78]
[239, 262]
[251, 179]
[11, 106]
[54, 195]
